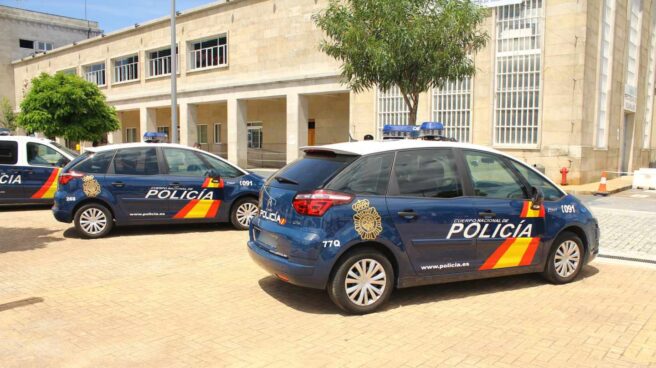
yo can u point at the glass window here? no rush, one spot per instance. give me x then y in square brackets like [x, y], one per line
[391, 108]
[368, 175]
[452, 107]
[130, 135]
[606, 43]
[183, 162]
[427, 173]
[202, 134]
[491, 178]
[8, 153]
[322, 167]
[551, 193]
[95, 74]
[136, 161]
[223, 168]
[217, 133]
[42, 155]
[95, 163]
[255, 135]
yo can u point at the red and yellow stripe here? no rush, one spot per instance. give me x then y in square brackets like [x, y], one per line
[512, 252]
[529, 212]
[213, 183]
[48, 189]
[198, 209]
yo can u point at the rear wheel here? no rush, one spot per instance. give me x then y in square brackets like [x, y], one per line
[243, 212]
[565, 259]
[93, 221]
[362, 282]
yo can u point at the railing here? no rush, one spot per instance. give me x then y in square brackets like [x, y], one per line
[260, 158]
[161, 66]
[97, 77]
[209, 57]
[126, 72]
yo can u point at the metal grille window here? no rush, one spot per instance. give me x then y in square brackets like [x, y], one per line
[126, 69]
[452, 107]
[202, 133]
[209, 53]
[95, 74]
[605, 47]
[130, 135]
[651, 83]
[391, 108]
[217, 133]
[518, 73]
[635, 20]
[159, 62]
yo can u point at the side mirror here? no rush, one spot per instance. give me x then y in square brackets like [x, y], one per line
[211, 173]
[537, 198]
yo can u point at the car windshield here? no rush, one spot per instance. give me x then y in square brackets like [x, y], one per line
[65, 149]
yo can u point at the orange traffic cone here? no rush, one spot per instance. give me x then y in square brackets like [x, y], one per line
[602, 185]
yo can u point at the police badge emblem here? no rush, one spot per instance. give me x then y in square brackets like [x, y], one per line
[90, 186]
[367, 221]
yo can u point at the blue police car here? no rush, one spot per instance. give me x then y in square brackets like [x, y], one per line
[153, 183]
[375, 216]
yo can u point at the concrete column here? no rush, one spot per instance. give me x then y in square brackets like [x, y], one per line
[188, 121]
[297, 124]
[147, 121]
[115, 137]
[237, 132]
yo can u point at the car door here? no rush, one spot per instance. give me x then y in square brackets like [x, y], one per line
[135, 182]
[40, 175]
[509, 229]
[199, 195]
[427, 203]
[11, 181]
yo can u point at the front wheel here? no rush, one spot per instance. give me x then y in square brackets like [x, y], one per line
[565, 259]
[362, 282]
[243, 212]
[93, 221]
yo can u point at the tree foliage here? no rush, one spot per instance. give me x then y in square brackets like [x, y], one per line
[7, 116]
[64, 105]
[412, 44]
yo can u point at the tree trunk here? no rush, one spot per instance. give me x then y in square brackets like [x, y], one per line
[412, 102]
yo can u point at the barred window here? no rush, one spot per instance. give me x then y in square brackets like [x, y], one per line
[605, 52]
[452, 107]
[518, 73]
[651, 81]
[392, 109]
[633, 55]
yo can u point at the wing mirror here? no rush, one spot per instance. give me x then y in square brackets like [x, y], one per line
[211, 173]
[537, 198]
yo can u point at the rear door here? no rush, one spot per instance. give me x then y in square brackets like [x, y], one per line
[429, 211]
[10, 178]
[43, 166]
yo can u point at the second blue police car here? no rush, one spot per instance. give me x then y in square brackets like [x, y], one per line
[154, 183]
[360, 219]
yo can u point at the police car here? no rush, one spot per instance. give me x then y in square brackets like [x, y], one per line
[153, 183]
[375, 216]
[29, 168]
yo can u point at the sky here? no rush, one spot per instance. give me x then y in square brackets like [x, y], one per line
[110, 14]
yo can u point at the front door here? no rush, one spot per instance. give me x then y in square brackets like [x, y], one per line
[40, 176]
[430, 212]
[11, 180]
[627, 143]
[508, 230]
[311, 132]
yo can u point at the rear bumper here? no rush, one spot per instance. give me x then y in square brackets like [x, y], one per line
[62, 216]
[294, 273]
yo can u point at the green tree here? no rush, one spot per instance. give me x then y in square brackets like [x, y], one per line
[64, 105]
[7, 116]
[412, 44]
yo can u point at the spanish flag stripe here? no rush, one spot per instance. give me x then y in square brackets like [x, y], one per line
[492, 260]
[47, 190]
[200, 210]
[527, 259]
[207, 182]
[183, 212]
[513, 256]
[525, 208]
[214, 209]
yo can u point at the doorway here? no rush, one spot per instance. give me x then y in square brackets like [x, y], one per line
[626, 150]
[311, 132]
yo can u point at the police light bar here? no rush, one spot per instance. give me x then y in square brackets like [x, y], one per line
[155, 137]
[434, 131]
[5, 132]
[400, 132]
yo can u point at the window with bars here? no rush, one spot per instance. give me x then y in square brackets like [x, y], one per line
[95, 73]
[392, 109]
[651, 84]
[126, 69]
[633, 55]
[159, 62]
[452, 107]
[605, 63]
[518, 73]
[208, 53]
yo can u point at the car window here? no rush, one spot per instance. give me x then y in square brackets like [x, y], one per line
[551, 193]
[41, 155]
[368, 175]
[224, 169]
[136, 161]
[491, 177]
[183, 162]
[65, 149]
[322, 167]
[428, 173]
[94, 163]
[8, 153]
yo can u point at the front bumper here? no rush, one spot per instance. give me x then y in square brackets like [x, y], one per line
[294, 273]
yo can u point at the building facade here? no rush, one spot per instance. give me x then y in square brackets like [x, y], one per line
[562, 83]
[25, 33]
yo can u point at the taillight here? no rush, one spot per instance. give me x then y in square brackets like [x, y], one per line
[318, 202]
[66, 178]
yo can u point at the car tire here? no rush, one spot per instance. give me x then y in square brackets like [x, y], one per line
[93, 221]
[378, 282]
[243, 212]
[565, 259]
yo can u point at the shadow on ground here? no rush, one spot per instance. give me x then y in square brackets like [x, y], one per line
[22, 239]
[138, 230]
[25, 207]
[20, 303]
[318, 302]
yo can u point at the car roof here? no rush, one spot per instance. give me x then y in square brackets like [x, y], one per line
[133, 145]
[23, 138]
[362, 148]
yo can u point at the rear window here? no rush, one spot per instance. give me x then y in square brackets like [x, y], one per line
[8, 153]
[310, 172]
[94, 163]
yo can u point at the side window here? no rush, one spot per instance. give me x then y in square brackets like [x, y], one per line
[428, 173]
[136, 161]
[42, 155]
[224, 169]
[551, 193]
[8, 153]
[183, 162]
[368, 175]
[491, 178]
[95, 163]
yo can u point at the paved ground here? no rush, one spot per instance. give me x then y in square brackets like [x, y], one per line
[190, 296]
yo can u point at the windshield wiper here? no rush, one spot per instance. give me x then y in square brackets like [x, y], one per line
[282, 179]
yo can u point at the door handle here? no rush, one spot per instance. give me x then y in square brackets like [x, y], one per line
[118, 184]
[408, 214]
[487, 214]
